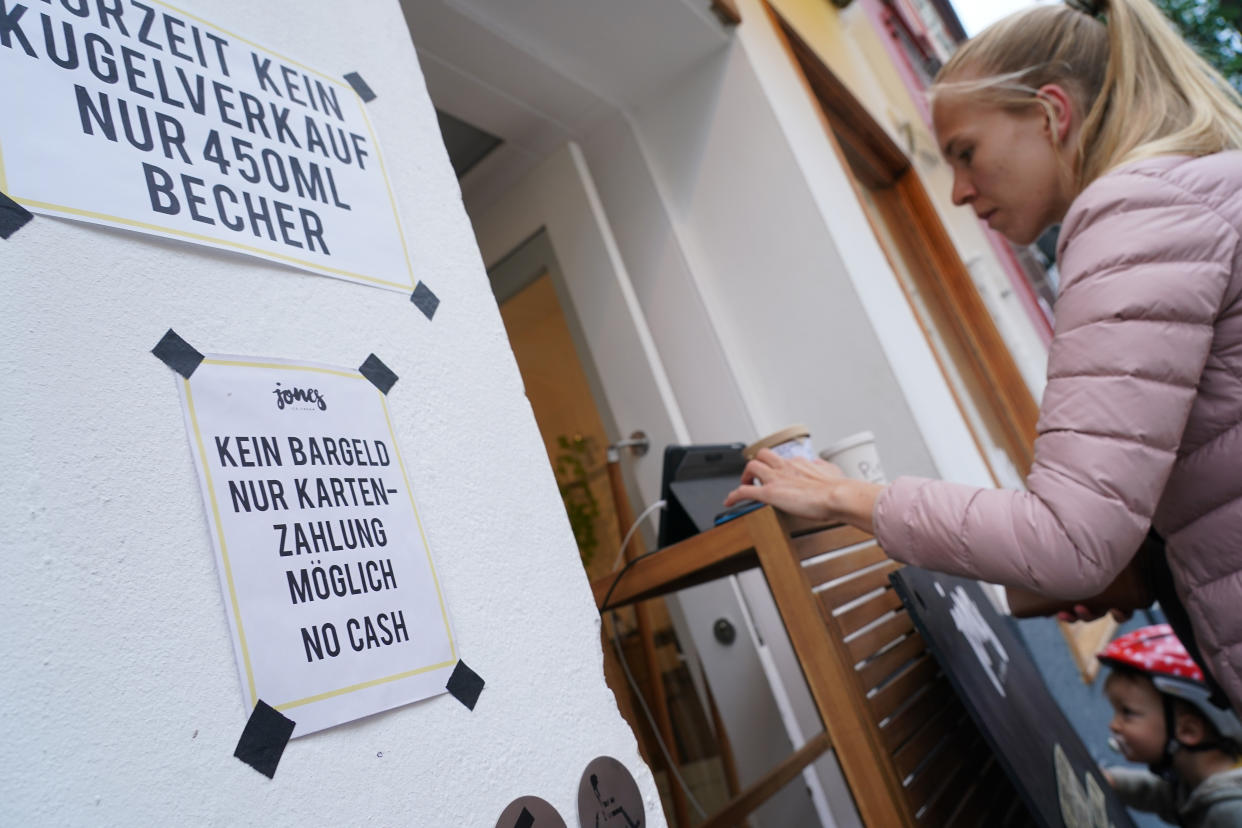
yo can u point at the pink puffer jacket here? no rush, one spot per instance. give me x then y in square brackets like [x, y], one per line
[1141, 421]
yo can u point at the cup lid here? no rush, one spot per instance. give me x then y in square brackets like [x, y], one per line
[856, 439]
[793, 432]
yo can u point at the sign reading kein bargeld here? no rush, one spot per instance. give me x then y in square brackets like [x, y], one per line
[327, 578]
[144, 116]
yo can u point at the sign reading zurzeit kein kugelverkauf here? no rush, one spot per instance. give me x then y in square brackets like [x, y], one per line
[328, 581]
[140, 115]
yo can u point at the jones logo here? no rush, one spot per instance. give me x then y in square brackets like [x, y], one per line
[289, 396]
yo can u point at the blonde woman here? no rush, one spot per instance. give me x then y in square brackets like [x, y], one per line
[1097, 116]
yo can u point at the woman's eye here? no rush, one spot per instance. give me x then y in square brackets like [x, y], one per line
[965, 155]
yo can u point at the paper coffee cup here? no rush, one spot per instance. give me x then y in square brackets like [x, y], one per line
[857, 456]
[791, 442]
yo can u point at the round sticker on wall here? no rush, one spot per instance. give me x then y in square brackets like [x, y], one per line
[529, 812]
[608, 795]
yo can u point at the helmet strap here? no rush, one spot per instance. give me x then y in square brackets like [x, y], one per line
[1163, 767]
[1172, 744]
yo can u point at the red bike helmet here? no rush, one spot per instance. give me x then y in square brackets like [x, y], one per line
[1157, 653]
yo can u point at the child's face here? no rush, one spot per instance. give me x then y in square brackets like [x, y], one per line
[1138, 718]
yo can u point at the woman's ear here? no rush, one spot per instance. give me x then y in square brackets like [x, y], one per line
[1059, 107]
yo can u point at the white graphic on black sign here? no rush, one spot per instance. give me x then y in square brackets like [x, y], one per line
[987, 647]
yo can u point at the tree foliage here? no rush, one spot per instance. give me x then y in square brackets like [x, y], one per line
[1211, 27]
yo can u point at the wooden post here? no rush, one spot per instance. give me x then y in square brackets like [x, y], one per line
[726, 747]
[830, 675]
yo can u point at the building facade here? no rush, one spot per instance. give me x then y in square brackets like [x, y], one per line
[707, 222]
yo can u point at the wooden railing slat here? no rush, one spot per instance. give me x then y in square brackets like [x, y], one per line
[932, 733]
[830, 535]
[952, 768]
[922, 789]
[859, 585]
[855, 618]
[977, 801]
[959, 781]
[870, 641]
[884, 702]
[933, 698]
[880, 667]
[821, 572]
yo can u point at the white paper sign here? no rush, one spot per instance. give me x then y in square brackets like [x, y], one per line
[142, 116]
[327, 578]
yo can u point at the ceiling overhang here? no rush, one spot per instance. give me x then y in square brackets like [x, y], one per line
[538, 73]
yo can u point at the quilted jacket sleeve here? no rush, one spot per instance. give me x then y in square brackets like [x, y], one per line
[1144, 791]
[1145, 267]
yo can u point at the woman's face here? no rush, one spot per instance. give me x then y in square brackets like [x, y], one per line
[1006, 164]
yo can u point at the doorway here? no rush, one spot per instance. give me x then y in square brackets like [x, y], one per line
[644, 663]
[562, 397]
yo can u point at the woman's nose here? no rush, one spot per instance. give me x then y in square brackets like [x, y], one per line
[963, 190]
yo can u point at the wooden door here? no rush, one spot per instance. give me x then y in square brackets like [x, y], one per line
[572, 429]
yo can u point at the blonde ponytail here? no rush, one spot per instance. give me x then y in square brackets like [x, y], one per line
[1145, 92]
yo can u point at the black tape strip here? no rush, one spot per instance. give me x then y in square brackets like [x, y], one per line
[425, 300]
[525, 819]
[177, 354]
[360, 86]
[378, 373]
[465, 685]
[13, 216]
[263, 740]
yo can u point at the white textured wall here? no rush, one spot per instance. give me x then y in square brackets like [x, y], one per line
[805, 305]
[777, 284]
[119, 698]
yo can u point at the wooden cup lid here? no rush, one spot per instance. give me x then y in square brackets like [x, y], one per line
[775, 439]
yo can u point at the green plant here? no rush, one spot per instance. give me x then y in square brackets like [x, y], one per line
[1212, 28]
[580, 503]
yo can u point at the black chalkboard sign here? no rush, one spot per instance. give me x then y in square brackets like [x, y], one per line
[998, 683]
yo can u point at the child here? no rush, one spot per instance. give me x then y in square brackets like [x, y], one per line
[1097, 116]
[1163, 718]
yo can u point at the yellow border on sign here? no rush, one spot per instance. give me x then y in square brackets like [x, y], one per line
[212, 240]
[228, 570]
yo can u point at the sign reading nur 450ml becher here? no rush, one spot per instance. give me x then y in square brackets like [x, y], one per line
[142, 116]
[327, 578]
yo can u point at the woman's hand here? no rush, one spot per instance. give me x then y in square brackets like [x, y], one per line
[814, 489]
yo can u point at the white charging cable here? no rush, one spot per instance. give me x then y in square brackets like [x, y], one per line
[659, 504]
